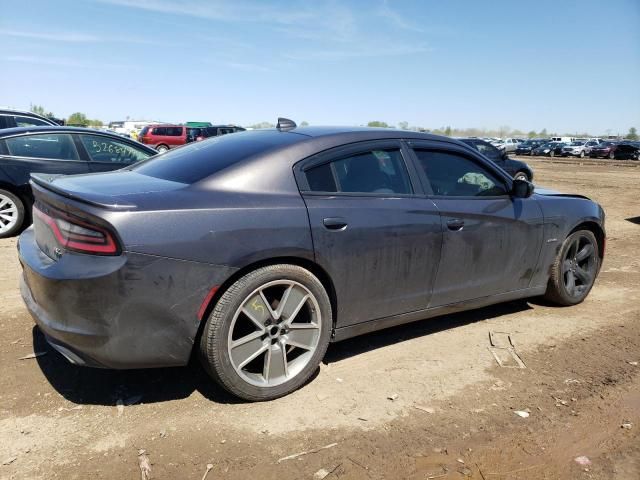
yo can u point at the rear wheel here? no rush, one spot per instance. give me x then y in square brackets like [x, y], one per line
[612, 155]
[12, 214]
[162, 148]
[575, 269]
[268, 332]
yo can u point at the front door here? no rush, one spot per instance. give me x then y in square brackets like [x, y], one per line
[491, 240]
[377, 239]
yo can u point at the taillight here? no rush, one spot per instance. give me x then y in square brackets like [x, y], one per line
[78, 235]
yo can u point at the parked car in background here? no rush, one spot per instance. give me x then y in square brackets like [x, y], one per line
[59, 150]
[627, 150]
[549, 149]
[562, 139]
[165, 137]
[605, 149]
[217, 130]
[515, 168]
[357, 230]
[527, 147]
[16, 118]
[591, 143]
[574, 149]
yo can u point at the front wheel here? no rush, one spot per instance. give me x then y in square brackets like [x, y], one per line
[581, 154]
[612, 156]
[521, 176]
[574, 270]
[268, 332]
[552, 153]
[12, 214]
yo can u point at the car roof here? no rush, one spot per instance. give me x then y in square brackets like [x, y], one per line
[8, 111]
[10, 132]
[7, 132]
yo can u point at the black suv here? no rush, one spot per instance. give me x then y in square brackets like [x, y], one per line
[515, 168]
[16, 118]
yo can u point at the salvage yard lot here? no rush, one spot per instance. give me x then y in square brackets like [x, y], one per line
[424, 399]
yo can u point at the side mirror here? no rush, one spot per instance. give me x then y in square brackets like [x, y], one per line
[521, 188]
[505, 155]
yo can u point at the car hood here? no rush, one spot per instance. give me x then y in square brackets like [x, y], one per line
[547, 192]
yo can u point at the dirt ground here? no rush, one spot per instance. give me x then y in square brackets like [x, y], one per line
[420, 401]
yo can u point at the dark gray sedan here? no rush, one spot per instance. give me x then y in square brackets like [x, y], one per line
[259, 248]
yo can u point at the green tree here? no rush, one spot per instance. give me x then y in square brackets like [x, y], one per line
[532, 134]
[77, 118]
[447, 131]
[633, 134]
[377, 123]
[543, 132]
[304, 123]
[39, 109]
[403, 125]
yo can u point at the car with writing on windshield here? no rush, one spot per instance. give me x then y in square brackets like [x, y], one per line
[256, 250]
[60, 150]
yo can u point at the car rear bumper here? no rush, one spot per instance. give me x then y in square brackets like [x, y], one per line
[127, 311]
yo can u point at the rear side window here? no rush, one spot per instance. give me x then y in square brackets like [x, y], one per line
[198, 160]
[159, 131]
[374, 171]
[489, 151]
[174, 131]
[107, 150]
[51, 146]
[29, 122]
[452, 175]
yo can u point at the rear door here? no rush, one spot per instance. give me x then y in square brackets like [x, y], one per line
[491, 240]
[106, 153]
[41, 153]
[373, 231]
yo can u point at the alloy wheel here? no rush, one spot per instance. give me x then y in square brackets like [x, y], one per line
[579, 266]
[274, 333]
[8, 214]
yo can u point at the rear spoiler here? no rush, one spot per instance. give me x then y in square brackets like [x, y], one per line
[46, 181]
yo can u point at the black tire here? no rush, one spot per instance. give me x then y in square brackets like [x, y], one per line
[582, 154]
[20, 214]
[523, 175]
[552, 153]
[557, 291]
[612, 156]
[214, 351]
[162, 148]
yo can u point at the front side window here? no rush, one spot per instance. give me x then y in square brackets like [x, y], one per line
[51, 145]
[452, 175]
[30, 122]
[374, 171]
[160, 131]
[107, 150]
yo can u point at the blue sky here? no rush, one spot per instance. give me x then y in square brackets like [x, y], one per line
[561, 65]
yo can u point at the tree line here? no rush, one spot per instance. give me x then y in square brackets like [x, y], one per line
[79, 118]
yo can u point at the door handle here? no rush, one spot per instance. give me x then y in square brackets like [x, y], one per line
[455, 224]
[335, 223]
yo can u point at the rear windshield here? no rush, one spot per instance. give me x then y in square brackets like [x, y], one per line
[196, 161]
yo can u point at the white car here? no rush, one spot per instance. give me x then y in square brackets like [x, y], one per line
[506, 145]
[575, 149]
